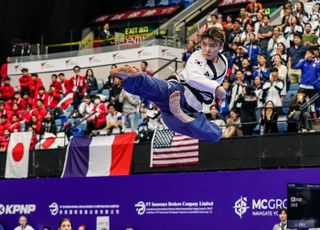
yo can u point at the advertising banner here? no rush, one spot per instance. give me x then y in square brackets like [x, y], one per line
[215, 200]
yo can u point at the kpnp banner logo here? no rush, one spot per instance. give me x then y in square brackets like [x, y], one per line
[140, 208]
[258, 207]
[240, 206]
[11, 209]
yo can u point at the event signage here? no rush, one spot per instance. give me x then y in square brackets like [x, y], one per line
[212, 200]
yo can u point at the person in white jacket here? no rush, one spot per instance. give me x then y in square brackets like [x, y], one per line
[180, 100]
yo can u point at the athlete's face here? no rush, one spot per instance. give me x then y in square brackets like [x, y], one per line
[209, 48]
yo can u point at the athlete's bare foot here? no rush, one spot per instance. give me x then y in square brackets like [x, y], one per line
[175, 108]
[125, 71]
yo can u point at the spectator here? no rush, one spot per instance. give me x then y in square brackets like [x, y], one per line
[273, 89]
[264, 34]
[36, 84]
[237, 89]
[20, 101]
[298, 116]
[292, 27]
[228, 25]
[39, 110]
[262, 70]
[23, 224]
[55, 83]
[253, 49]
[144, 68]
[65, 224]
[86, 107]
[106, 36]
[238, 58]
[215, 118]
[7, 90]
[48, 124]
[244, 17]
[42, 95]
[53, 98]
[187, 53]
[34, 139]
[245, 36]
[82, 227]
[5, 111]
[225, 103]
[109, 83]
[215, 22]
[46, 228]
[253, 8]
[16, 110]
[25, 81]
[259, 94]
[269, 118]
[78, 86]
[65, 84]
[15, 124]
[282, 71]
[309, 39]
[114, 119]
[115, 93]
[296, 53]
[4, 140]
[282, 213]
[151, 116]
[258, 23]
[235, 34]
[4, 69]
[301, 13]
[282, 51]
[248, 101]
[35, 124]
[4, 124]
[286, 12]
[27, 100]
[91, 81]
[129, 109]
[209, 23]
[247, 70]
[233, 126]
[100, 116]
[275, 40]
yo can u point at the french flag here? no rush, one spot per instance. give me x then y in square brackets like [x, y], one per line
[99, 156]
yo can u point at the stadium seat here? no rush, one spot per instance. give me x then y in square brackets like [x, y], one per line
[282, 124]
[106, 93]
[23, 126]
[58, 124]
[294, 87]
[100, 85]
[163, 3]
[70, 109]
[150, 3]
[93, 92]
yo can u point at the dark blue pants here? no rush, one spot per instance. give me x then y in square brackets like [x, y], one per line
[159, 92]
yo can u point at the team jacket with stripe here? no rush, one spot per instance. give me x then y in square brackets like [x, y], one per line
[201, 80]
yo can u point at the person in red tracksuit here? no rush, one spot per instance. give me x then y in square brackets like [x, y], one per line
[4, 111]
[4, 123]
[42, 95]
[4, 70]
[35, 124]
[53, 97]
[20, 101]
[16, 110]
[40, 111]
[15, 124]
[7, 90]
[56, 83]
[25, 81]
[100, 118]
[36, 84]
[27, 99]
[78, 86]
[65, 84]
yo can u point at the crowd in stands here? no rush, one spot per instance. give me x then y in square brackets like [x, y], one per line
[272, 70]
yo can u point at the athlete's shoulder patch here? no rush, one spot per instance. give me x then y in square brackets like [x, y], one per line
[198, 62]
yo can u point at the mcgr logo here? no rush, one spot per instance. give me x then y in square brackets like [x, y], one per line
[240, 206]
[11, 209]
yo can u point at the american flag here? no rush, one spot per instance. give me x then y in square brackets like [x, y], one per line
[172, 149]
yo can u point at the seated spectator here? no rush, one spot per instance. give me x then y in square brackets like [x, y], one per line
[109, 83]
[275, 40]
[65, 84]
[34, 139]
[215, 22]
[225, 103]
[130, 105]
[4, 124]
[228, 25]
[253, 8]
[309, 39]
[86, 107]
[233, 126]
[262, 71]
[91, 81]
[248, 101]
[301, 12]
[35, 124]
[245, 36]
[25, 81]
[264, 34]
[99, 121]
[115, 93]
[42, 95]
[36, 83]
[273, 89]
[286, 12]
[27, 99]
[20, 101]
[215, 118]
[298, 116]
[281, 50]
[16, 110]
[144, 68]
[4, 111]
[187, 53]
[238, 58]
[257, 84]
[292, 27]
[4, 140]
[282, 71]
[55, 83]
[114, 119]
[269, 120]
[247, 70]
[253, 50]
[151, 116]
[235, 34]
[237, 89]
[7, 90]
[39, 111]
[48, 124]
[15, 124]
[53, 98]
[78, 86]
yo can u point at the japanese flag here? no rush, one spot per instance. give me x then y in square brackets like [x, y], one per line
[18, 155]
